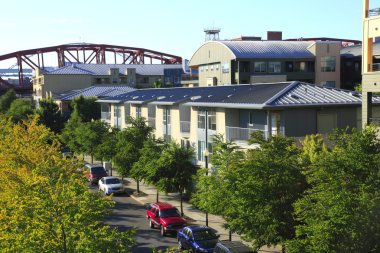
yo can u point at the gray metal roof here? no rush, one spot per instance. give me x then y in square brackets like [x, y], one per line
[269, 49]
[257, 96]
[356, 51]
[103, 69]
[95, 91]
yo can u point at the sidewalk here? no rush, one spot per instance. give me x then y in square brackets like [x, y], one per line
[196, 216]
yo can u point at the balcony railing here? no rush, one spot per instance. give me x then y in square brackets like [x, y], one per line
[189, 77]
[375, 67]
[374, 12]
[152, 122]
[375, 121]
[241, 134]
[185, 126]
[105, 115]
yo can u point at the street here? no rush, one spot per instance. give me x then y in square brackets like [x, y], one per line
[129, 213]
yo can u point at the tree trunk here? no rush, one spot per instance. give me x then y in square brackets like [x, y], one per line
[92, 158]
[138, 186]
[63, 239]
[157, 196]
[180, 195]
[283, 249]
[229, 235]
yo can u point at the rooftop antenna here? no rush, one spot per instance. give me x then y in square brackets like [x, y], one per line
[211, 33]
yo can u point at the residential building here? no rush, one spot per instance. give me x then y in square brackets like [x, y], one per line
[370, 68]
[80, 76]
[98, 91]
[246, 62]
[191, 116]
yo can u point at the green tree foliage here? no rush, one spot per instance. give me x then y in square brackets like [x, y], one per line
[149, 155]
[340, 212]
[86, 109]
[128, 145]
[45, 205]
[90, 135]
[20, 109]
[106, 150]
[50, 115]
[175, 170]
[68, 136]
[6, 100]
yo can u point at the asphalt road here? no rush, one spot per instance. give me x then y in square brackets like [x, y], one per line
[129, 213]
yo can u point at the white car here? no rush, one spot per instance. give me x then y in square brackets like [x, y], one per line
[111, 185]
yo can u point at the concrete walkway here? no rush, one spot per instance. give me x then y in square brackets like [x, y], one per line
[194, 215]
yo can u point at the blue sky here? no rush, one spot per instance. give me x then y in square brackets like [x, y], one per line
[174, 27]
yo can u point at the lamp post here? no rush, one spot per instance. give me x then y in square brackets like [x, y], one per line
[206, 154]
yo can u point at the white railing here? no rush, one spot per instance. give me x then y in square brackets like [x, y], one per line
[185, 126]
[375, 121]
[105, 115]
[152, 122]
[241, 134]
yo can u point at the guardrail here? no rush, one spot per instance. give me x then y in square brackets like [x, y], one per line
[375, 67]
[241, 134]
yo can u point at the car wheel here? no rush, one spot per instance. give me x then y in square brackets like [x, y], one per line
[162, 231]
[151, 225]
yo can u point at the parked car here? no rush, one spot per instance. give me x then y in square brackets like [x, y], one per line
[94, 172]
[232, 247]
[197, 238]
[111, 185]
[165, 216]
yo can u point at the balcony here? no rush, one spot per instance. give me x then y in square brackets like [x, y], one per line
[241, 134]
[189, 79]
[152, 122]
[375, 121]
[105, 116]
[185, 126]
[375, 67]
[374, 12]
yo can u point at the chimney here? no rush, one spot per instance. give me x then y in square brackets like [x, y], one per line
[274, 35]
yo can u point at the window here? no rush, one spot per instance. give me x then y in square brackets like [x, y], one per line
[166, 116]
[289, 66]
[226, 68]
[185, 143]
[202, 68]
[116, 111]
[217, 67]
[328, 63]
[245, 66]
[206, 67]
[176, 79]
[126, 113]
[211, 121]
[274, 67]
[330, 84]
[201, 119]
[250, 120]
[260, 67]
[211, 67]
[138, 112]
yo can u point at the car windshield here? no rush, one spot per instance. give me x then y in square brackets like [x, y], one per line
[113, 181]
[97, 170]
[203, 235]
[169, 213]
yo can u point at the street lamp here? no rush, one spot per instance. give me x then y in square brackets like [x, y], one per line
[206, 154]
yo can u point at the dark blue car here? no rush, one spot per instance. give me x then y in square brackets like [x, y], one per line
[197, 238]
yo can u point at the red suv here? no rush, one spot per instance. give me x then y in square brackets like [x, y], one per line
[165, 216]
[95, 172]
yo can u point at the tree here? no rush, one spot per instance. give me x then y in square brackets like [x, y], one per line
[20, 109]
[128, 145]
[6, 100]
[50, 115]
[340, 211]
[106, 150]
[175, 170]
[147, 162]
[68, 136]
[90, 135]
[86, 109]
[45, 204]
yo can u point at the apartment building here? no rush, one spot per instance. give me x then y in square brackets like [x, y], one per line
[80, 76]
[247, 62]
[191, 116]
[370, 68]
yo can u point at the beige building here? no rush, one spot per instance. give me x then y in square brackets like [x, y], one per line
[370, 70]
[191, 116]
[80, 76]
[244, 62]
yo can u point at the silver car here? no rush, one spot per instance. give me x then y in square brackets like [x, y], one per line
[111, 185]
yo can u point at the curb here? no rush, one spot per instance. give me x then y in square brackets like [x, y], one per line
[138, 200]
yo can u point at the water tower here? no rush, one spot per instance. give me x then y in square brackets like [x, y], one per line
[211, 33]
